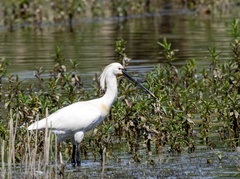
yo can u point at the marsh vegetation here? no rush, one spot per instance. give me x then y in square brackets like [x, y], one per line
[195, 116]
[39, 13]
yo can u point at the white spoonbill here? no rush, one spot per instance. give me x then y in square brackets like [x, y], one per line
[71, 122]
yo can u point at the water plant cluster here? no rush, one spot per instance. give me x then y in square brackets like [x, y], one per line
[38, 12]
[191, 105]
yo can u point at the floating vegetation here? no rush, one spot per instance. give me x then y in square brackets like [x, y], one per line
[191, 104]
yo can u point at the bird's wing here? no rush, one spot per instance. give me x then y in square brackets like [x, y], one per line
[78, 116]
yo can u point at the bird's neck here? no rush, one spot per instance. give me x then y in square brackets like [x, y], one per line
[111, 92]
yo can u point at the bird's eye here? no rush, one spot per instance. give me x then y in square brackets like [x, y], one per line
[119, 68]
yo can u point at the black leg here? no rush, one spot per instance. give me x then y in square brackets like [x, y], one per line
[78, 155]
[73, 155]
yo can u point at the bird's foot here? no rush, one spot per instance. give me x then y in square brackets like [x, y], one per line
[78, 163]
[74, 163]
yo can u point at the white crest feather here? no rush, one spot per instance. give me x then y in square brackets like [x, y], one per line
[103, 76]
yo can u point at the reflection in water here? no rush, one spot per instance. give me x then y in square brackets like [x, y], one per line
[92, 43]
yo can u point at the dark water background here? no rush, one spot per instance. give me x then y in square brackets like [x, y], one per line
[92, 42]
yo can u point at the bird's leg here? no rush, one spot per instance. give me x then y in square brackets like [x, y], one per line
[74, 155]
[78, 155]
[78, 137]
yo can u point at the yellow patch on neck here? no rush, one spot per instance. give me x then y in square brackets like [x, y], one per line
[104, 109]
[118, 76]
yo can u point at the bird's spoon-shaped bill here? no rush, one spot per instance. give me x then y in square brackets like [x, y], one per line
[137, 83]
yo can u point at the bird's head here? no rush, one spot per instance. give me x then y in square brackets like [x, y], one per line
[115, 69]
[118, 70]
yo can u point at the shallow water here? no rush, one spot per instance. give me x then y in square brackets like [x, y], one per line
[163, 165]
[92, 43]
[203, 163]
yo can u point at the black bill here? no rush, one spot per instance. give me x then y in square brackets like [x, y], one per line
[137, 83]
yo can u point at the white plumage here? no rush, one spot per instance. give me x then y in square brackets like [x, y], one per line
[71, 122]
[80, 116]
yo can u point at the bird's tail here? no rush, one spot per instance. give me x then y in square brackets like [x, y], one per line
[38, 125]
[33, 126]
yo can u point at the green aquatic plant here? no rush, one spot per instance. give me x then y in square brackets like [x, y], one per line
[235, 33]
[120, 51]
[3, 70]
[168, 52]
